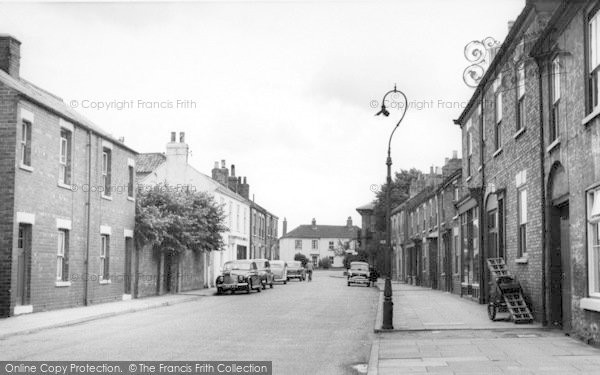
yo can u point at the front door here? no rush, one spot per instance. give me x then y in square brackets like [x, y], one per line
[128, 262]
[24, 265]
[447, 261]
[560, 285]
[241, 252]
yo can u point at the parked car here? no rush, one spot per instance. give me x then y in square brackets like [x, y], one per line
[238, 275]
[359, 273]
[264, 272]
[279, 270]
[296, 271]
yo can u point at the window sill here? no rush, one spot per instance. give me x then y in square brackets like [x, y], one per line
[27, 168]
[107, 197]
[61, 284]
[519, 133]
[131, 199]
[102, 281]
[589, 118]
[592, 304]
[498, 152]
[479, 168]
[468, 179]
[553, 145]
[64, 186]
[523, 260]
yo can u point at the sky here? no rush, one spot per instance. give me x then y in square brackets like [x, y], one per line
[285, 90]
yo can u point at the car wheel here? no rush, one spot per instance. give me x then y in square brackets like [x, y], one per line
[249, 287]
[348, 283]
[219, 291]
[271, 285]
[284, 282]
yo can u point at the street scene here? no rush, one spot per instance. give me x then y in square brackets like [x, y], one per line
[299, 187]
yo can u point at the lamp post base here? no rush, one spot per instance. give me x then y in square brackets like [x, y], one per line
[388, 305]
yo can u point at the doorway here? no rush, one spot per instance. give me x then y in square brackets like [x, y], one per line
[447, 261]
[560, 266]
[24, 265]
[128, 262]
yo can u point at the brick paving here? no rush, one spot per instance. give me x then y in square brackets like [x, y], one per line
[435, 332]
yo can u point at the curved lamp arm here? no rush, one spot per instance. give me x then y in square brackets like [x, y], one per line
[385, 112]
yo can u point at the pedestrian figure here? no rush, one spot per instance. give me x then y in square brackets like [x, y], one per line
[309, 270]
[373, 275]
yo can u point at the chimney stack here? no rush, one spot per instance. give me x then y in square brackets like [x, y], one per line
[232, 170]
[181, 137]
[244, 189]
[177, 153]
[223, 163]
[349, 222]
[314, 224]
[284, 227]
[454, 154]
[510, 25]
[10, 55]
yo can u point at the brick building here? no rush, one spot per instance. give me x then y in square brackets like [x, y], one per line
[67, 211]
[262, 225]
[566, 57]
[263, 233]
[500, 212]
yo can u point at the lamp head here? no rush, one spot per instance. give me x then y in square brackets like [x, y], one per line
[383, 111]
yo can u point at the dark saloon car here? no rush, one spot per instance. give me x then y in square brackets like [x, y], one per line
[238, 275]
[264, 272]
[295, 270]
[359, 273]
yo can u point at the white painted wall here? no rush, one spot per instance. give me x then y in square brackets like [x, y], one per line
[287, 248]
[178, 173]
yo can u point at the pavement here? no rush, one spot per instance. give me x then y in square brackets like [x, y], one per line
[441, 333]
[30, 323]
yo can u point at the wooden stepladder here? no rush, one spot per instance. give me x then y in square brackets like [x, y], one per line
[509, 294]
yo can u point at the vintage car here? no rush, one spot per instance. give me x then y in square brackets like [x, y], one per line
[238, 275]
[295, 270]
[279, 270]
[264, 272]
[359, 273]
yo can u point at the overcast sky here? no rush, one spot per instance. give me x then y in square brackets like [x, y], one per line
[284, 90]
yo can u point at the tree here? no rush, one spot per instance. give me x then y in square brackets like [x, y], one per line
[174, 219]
[301, 258]
[399, 193]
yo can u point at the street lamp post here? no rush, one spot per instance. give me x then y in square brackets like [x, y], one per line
[388, 305]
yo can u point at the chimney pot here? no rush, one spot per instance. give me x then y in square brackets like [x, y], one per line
[181, 137]
[245, 180]
[223, 163]
[173, 136]
[216, 165]
[454, 154]
[232, 170]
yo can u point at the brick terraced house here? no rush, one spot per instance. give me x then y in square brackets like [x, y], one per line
[568, 58]
[67, 211]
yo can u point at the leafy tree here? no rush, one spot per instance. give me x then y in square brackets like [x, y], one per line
[301, 258]
[399, 193]
[174, 219]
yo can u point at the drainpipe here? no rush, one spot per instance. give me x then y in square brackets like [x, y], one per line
[89, 220]
[543, 189]
[483, 290]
